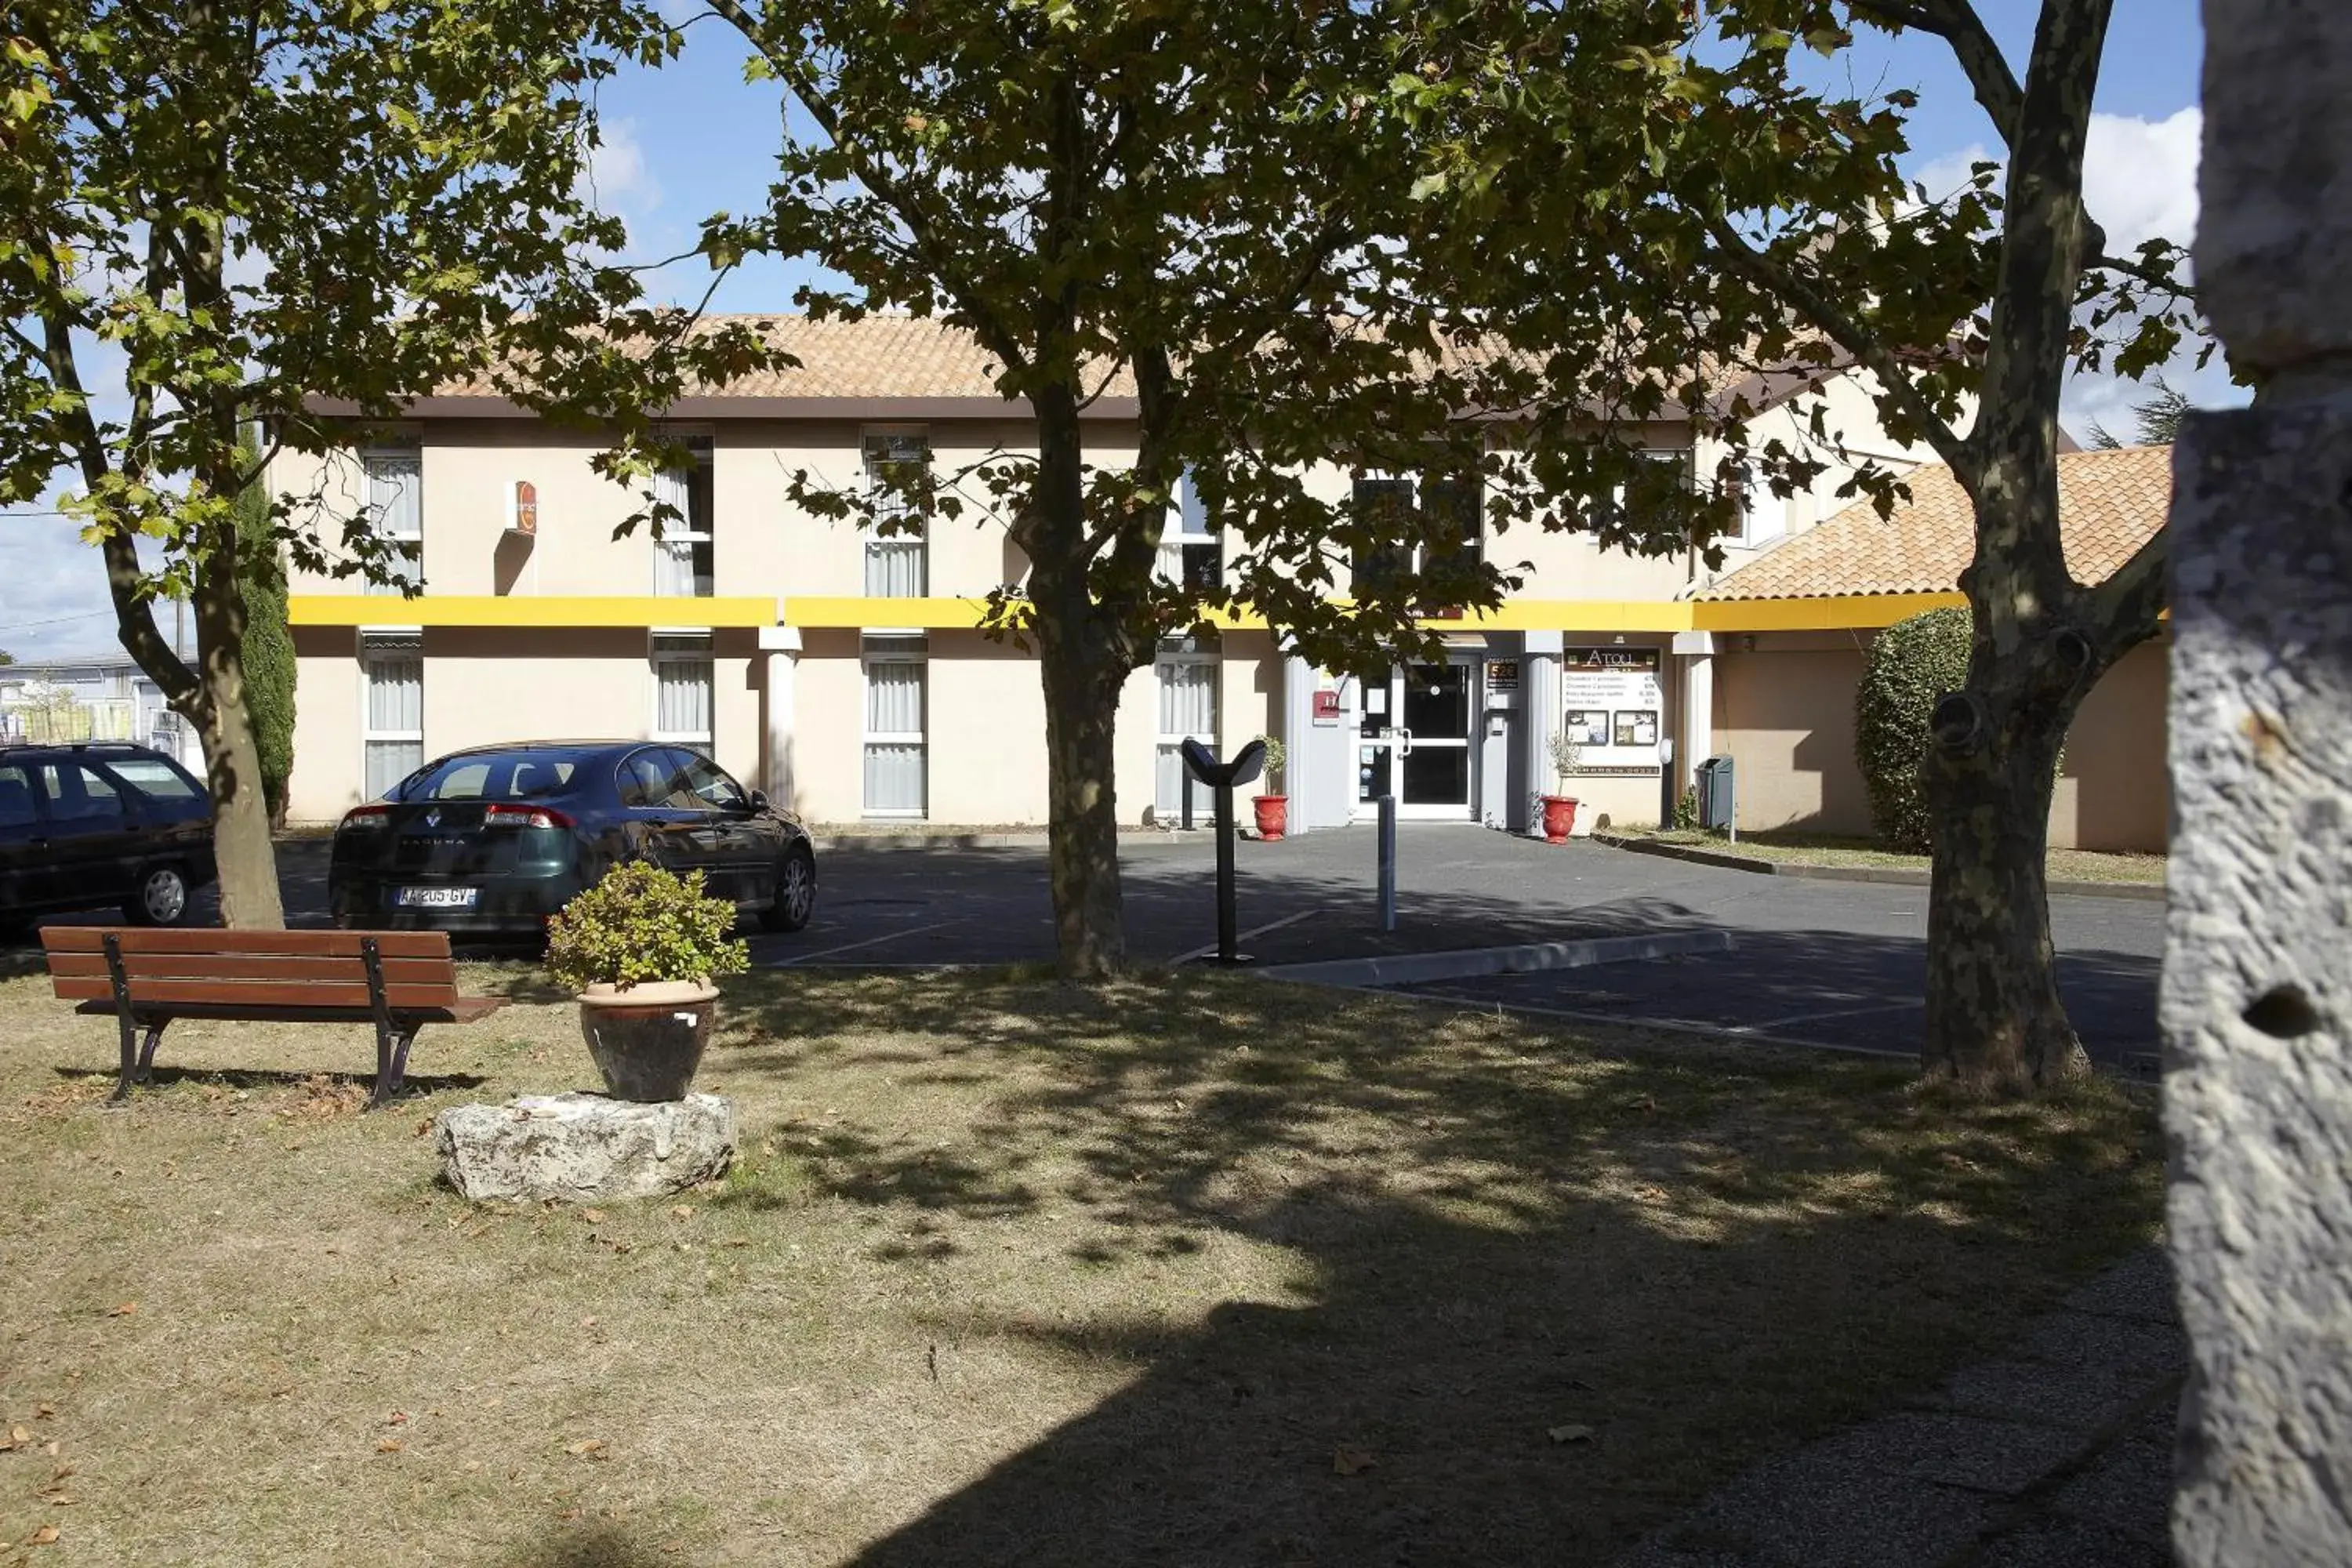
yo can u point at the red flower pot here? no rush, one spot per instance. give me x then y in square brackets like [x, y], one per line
[1560, 817]
[1273, 814]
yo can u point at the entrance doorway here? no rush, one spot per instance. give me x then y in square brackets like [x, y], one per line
[1413, 740]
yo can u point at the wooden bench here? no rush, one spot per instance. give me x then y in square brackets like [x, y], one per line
[397, 981]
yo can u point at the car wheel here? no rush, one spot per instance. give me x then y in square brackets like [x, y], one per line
[162, 899]
[795, 891]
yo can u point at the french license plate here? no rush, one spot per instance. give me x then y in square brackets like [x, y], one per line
[435, 898]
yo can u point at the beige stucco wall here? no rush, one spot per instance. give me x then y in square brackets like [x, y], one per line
[1786, 714]
[326, 778]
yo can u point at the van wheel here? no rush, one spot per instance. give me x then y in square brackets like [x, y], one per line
[162, 899]
[795, 891]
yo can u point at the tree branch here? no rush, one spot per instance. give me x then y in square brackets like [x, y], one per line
[1848, 333]
[1956, 23]
[795, 74]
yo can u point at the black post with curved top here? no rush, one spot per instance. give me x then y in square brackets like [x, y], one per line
[1225, 777]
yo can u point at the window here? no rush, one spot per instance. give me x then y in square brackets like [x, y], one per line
[1188, 711]
[19, 819]
[1675, 460]
[1763, 516]
[1384, 507]
[395, 503]
[645, 780]
[895, 712]
[897, 480]
[683, 559]
[153, 776]
[80, 801]
[393, 734]
[712, 788]
[1417, 526]
[1191, 555]
[683, 679]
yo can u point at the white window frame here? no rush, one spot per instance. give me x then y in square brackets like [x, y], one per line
[1188, 528]
[656, 657]
[893, 649]
[1417, 557]
[1685, 455]
[408, 451]
[1165, 741]
[684, 533]
[381, 646]
[1758, 501]
[915, 546]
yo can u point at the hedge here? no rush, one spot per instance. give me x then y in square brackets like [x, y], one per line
[1910, 666]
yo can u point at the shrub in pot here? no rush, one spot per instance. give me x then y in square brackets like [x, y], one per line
[1273, 808]
[641, 948]
[1560, 810]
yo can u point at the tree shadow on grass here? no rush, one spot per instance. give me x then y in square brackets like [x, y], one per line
[1536, 1296]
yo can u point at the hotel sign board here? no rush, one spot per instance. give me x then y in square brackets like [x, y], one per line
[1614, 704]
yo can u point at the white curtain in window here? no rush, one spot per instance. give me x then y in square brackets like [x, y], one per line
[395, 499]
[1188, 709]
[673, 552]
[894, 779]
[893, 698]
[396, 696]
[895, 770]
[682, 698]
[394, 743]
[894, 567]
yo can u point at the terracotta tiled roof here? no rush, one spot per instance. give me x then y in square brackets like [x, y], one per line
[883, 355]
[2109, 504]
[886, 355]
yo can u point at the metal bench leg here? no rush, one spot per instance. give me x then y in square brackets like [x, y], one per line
[135, 1059]
[391, 1065]
[146, 1073]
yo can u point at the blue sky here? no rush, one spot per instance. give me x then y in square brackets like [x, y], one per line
[693, 139]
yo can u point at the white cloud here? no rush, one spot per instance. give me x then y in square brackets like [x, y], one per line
[2139, 181]
[2139, 177]
[618, 179]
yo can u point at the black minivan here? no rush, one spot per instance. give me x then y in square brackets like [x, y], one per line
[100, 823]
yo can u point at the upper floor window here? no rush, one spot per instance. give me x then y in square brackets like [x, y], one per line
[684, 564]
[1191, 554]
[1675, 460]
[898, 485]
[394, 482]
[1416, 521]
[1763, 516]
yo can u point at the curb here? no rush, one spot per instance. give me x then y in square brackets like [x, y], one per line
[1416, 968]
[1893, 876]
[933, 843]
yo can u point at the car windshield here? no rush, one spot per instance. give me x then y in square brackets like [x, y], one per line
[499, 775]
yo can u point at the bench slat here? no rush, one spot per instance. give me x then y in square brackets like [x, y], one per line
[465, 1011]
[141, 966]
[253, 943]
[257, 992]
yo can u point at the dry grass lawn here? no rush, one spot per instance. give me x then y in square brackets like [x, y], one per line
[1828, 850]
[1192, 1271]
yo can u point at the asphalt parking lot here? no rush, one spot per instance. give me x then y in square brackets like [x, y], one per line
[1832, 963]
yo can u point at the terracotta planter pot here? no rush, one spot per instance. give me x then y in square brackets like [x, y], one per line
[1273, 814]
[648, 1039]
[1559, 818]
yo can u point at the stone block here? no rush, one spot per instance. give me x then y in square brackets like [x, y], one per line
[584, 1148]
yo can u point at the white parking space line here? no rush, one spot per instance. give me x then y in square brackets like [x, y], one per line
[853, 946]
[1205, 949]
[1639, 1021]
[1833, 1012]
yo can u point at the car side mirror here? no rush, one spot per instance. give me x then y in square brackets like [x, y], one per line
[758, 801]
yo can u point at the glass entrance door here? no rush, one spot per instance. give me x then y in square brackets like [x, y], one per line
[1414, 741]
